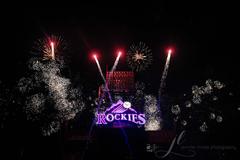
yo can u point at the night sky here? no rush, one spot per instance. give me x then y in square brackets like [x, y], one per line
[194, 30]
[198, 32]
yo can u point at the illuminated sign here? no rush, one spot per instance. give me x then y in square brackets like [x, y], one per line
[119, 113]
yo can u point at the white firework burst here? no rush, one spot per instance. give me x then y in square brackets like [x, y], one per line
[50, 99]
[152, 113]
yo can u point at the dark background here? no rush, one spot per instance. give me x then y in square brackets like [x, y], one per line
[199, 32]
[202, 35]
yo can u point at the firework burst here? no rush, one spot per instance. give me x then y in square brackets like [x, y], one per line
[152, 113]
[139, 57]
[49, 47]
[202, 104]
[50, 97]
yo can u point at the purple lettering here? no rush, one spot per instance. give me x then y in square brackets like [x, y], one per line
[134, 118]
[115, 112]
[123, 117]
[141, 118]
[109, 117]
[101, 119]
[117, 116]
[129, 117]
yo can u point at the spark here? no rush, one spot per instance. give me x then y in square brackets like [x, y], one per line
[101, 73]
[192, 107]
[165, 72]
[188, 104]
[56, 96]
[116, 61]
[49, 47]
[139, 57]
[203, 127]
[212, 116]
[52, 48]
[99, 68]
[184, 122]
[176, 109]
[219, 119]
[152, 114]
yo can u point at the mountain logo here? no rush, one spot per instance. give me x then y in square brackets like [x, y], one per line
[120, 111]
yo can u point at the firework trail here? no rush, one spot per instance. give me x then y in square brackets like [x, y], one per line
[113, 68]
[101, 100]
[116, 62]
[111, 72]
[52, 49]
[139, 57]
[101, 73]
[165, 72]
[99, 68]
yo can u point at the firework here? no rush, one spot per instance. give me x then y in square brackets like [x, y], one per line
[139, 94]
[99, 68]
[212, 116]
[188, 104]
[101, 73]
[50, 46]
[112, 70]
[203, 127]
[50, 99]
[139, 57]
[184, 122]
[116, 61]
[176, 109]
[165, 72]
[152, 113]
[52, 49]
[198, 106]
[219, 119]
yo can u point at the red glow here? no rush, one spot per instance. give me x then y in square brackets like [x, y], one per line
[170, 50]
[51, 43]
[94, 56]
[119, 53]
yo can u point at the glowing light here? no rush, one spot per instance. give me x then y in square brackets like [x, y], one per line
[198, 98]
[139, 57]
[121, 112]
[203, 127]
[152, 112]
[52, 49]
[219, 119]
[49, 47]
[127, 104]
[152, 125]
[165, 72]
[95, 56]
[99, 67]
[169, 51]
[119, 53]
[169, 55]
[65, 100]
[116, 61]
